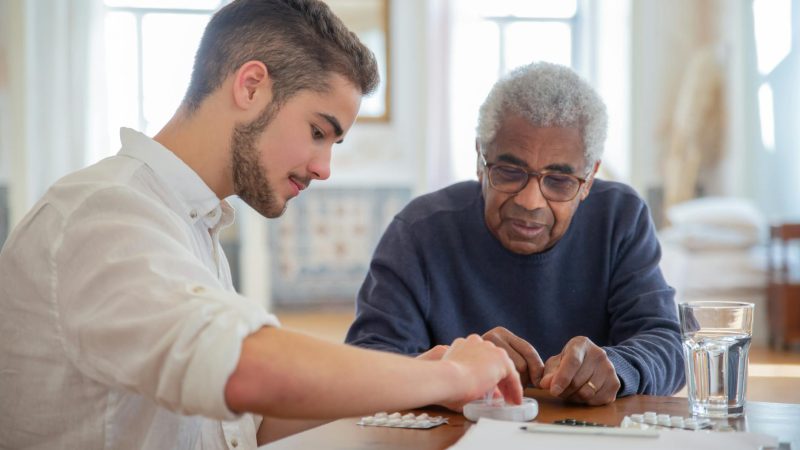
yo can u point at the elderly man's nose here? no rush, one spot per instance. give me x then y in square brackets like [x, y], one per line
[530, 197]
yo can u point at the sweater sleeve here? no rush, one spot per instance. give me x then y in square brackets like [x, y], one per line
[392, 302]
[644, 332]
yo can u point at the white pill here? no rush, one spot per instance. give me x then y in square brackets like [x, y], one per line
[380, 421]
[367, 420]
[422, 416]
[408, 416]
[381, 414]
[395, 415]
[638, 418]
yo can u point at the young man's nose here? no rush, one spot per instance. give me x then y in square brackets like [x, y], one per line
[320, 165]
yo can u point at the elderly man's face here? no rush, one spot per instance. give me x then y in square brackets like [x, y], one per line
[526, 222]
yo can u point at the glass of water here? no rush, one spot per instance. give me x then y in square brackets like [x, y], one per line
[716, 339]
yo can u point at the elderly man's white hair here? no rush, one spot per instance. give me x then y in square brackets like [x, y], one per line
[547, 95]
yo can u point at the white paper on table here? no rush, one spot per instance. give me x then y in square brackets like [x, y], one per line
[488, 433]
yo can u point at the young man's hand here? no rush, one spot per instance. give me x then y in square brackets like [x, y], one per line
[486, 368]
[581, 373]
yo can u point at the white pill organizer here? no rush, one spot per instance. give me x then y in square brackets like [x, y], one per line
[497, 409]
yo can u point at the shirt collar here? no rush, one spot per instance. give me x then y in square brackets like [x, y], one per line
[199, 201]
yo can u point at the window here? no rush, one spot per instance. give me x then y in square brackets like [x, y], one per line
[773, 38]
[150, 48]
[489, 40]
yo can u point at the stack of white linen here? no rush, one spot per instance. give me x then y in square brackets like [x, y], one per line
[715, 248]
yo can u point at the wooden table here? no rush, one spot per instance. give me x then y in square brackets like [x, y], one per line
[778, 419]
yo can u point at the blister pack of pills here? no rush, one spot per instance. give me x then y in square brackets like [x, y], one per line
[397, 420]
[651, 419]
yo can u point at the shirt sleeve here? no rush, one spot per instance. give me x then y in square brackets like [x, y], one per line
[644, 333]
[391, 306]
[138, 310]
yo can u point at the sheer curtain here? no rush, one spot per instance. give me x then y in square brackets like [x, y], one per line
[54, 83]
[774, 75]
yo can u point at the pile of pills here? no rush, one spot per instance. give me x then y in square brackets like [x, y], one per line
[397, 420]
[651, 419]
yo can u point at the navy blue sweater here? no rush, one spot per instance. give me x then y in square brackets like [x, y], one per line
[438, 274]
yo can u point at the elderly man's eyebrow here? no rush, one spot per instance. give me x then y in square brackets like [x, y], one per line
[511, 159]
[337, 127]
[563, 168]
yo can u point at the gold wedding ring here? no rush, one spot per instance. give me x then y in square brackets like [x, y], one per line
[591, 385]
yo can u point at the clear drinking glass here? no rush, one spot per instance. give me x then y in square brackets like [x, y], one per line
[716, 339]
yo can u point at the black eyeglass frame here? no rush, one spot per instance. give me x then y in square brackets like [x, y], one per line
[538, 175]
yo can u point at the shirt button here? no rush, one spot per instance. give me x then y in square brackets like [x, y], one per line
[193, 214]
[235, 442]
[198, 289]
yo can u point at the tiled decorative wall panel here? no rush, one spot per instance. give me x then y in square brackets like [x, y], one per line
[321, 247]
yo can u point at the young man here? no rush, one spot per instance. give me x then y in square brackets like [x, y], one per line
[538, 255]
[120, 326]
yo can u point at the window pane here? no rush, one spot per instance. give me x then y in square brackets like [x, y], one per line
[536, 41]
[766, 106]
[121, 76]
[528, 8]
[474, 70]
[165, 4]
[168, 57]
[772, 20]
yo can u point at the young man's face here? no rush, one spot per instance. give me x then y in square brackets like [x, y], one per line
[526, 222]
[274, 165]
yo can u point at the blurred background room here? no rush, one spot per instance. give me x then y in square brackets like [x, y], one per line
[702, 98]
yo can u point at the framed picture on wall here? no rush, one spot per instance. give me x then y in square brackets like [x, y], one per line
[369, 19]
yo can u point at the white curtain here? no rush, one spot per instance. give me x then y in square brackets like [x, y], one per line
[56, 86]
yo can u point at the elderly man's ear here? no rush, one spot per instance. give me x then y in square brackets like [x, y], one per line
[590, 180]
[478, 163]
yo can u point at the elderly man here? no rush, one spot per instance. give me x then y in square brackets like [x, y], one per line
[538, 255]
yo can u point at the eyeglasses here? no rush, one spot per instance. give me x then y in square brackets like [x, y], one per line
[556, 187]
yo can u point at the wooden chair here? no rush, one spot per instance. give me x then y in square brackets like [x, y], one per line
[783, 287]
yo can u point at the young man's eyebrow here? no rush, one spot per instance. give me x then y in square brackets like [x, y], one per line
[337, 127]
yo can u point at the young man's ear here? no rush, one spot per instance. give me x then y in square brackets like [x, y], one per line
[252, 86]
[590, 180]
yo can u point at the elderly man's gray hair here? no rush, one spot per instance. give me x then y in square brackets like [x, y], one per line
[547, 95]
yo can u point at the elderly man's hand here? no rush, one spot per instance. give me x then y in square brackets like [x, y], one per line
[526, 359]
[581, 373]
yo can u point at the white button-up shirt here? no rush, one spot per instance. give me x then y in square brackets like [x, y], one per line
[119, 324]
